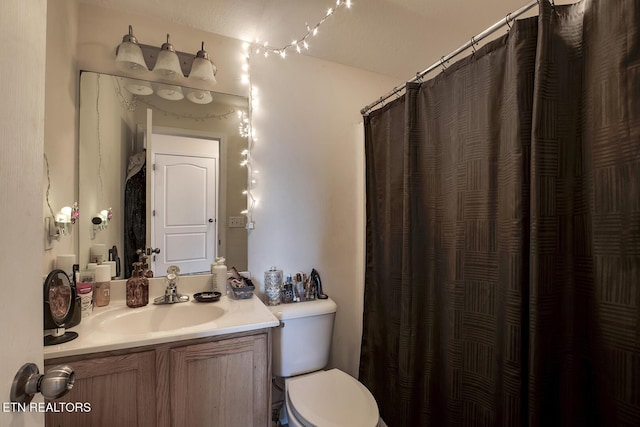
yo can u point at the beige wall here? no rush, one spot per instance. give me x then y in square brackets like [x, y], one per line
[310, 187]
[308, 152]
[61, 120]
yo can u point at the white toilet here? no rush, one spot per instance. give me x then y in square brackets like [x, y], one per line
[314, 397]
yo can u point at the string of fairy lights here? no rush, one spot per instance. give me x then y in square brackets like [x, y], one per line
[246, 127]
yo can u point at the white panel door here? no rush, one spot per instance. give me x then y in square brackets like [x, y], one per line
[184, 219]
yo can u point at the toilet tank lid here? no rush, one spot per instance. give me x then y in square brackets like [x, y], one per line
[304, 309]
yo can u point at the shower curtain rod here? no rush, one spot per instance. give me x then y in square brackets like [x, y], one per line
[474, 40]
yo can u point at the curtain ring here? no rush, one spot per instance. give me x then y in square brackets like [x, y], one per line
[418, 77]
[444, 67]
[507, 19]
[473, 44]
[396, 91]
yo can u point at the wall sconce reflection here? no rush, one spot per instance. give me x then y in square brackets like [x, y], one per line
[62, 222]
[101, 220]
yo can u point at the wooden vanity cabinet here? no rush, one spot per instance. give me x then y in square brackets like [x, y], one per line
[121, 390]
[216, 381]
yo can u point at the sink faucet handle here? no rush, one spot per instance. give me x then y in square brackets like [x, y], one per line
[173, 269]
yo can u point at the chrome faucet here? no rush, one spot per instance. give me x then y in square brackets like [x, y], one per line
[171, 295]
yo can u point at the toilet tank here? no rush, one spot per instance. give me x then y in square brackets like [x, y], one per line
[302, 342]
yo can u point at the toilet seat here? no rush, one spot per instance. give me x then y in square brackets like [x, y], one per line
[331, 399]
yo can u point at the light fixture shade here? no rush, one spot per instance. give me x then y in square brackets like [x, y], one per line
[168, 64]
[170, 92]
[129, 55]
[138, 87]
[199, 96]
[202, 68]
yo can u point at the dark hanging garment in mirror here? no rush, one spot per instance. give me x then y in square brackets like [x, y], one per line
[135, 196]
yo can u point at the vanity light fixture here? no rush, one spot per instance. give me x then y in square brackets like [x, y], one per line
[129, 54]
[61, 223]
[202, 68]
[165, 61]
[168, 64]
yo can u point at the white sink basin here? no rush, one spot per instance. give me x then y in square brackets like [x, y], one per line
[157, 318]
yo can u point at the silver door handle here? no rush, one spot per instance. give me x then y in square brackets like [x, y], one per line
[53, 385]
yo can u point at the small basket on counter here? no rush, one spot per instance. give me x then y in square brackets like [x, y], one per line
[241, 287]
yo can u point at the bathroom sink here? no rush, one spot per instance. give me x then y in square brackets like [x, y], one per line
[156, 318]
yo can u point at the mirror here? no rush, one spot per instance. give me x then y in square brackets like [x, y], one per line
[189, 206]
[59, 308]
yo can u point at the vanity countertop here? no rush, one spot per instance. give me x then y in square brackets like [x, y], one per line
[117, 326]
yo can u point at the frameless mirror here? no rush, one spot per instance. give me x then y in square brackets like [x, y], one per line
[164, 163]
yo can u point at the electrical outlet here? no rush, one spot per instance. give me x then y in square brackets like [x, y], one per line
[236, 222]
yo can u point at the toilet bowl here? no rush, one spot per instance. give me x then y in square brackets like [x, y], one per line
[329, 399]
[300, 352]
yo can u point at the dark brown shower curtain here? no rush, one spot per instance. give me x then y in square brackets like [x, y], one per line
[503, 231]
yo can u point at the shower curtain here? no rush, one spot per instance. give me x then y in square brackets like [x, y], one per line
[503, 231]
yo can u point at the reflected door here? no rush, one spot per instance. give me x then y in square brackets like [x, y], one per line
[184, 208]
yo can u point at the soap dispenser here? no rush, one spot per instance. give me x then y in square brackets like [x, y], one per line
[137, 287]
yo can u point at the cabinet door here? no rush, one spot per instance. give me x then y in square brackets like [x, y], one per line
[224, 383]
[120, 389]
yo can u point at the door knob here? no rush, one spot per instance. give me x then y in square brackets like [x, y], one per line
[210, 219]
[54, 384]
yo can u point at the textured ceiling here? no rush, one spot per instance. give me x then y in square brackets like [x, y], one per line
[393, 37]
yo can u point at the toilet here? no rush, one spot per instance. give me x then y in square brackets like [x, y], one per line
[314, 396]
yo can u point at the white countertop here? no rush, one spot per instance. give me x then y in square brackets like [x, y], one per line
[239, 316]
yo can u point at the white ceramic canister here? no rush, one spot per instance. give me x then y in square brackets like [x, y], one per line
[219, 275]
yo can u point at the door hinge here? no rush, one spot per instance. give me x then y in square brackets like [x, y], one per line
[153, 167]
[153, 212]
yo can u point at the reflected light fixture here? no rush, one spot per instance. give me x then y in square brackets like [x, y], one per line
[138, 87]
[199, 96]
[100, 221]
[170, 92]
[202, 68]
[129, 55]
[168, 64]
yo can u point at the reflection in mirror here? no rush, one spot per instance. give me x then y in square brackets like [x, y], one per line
[185, 206]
